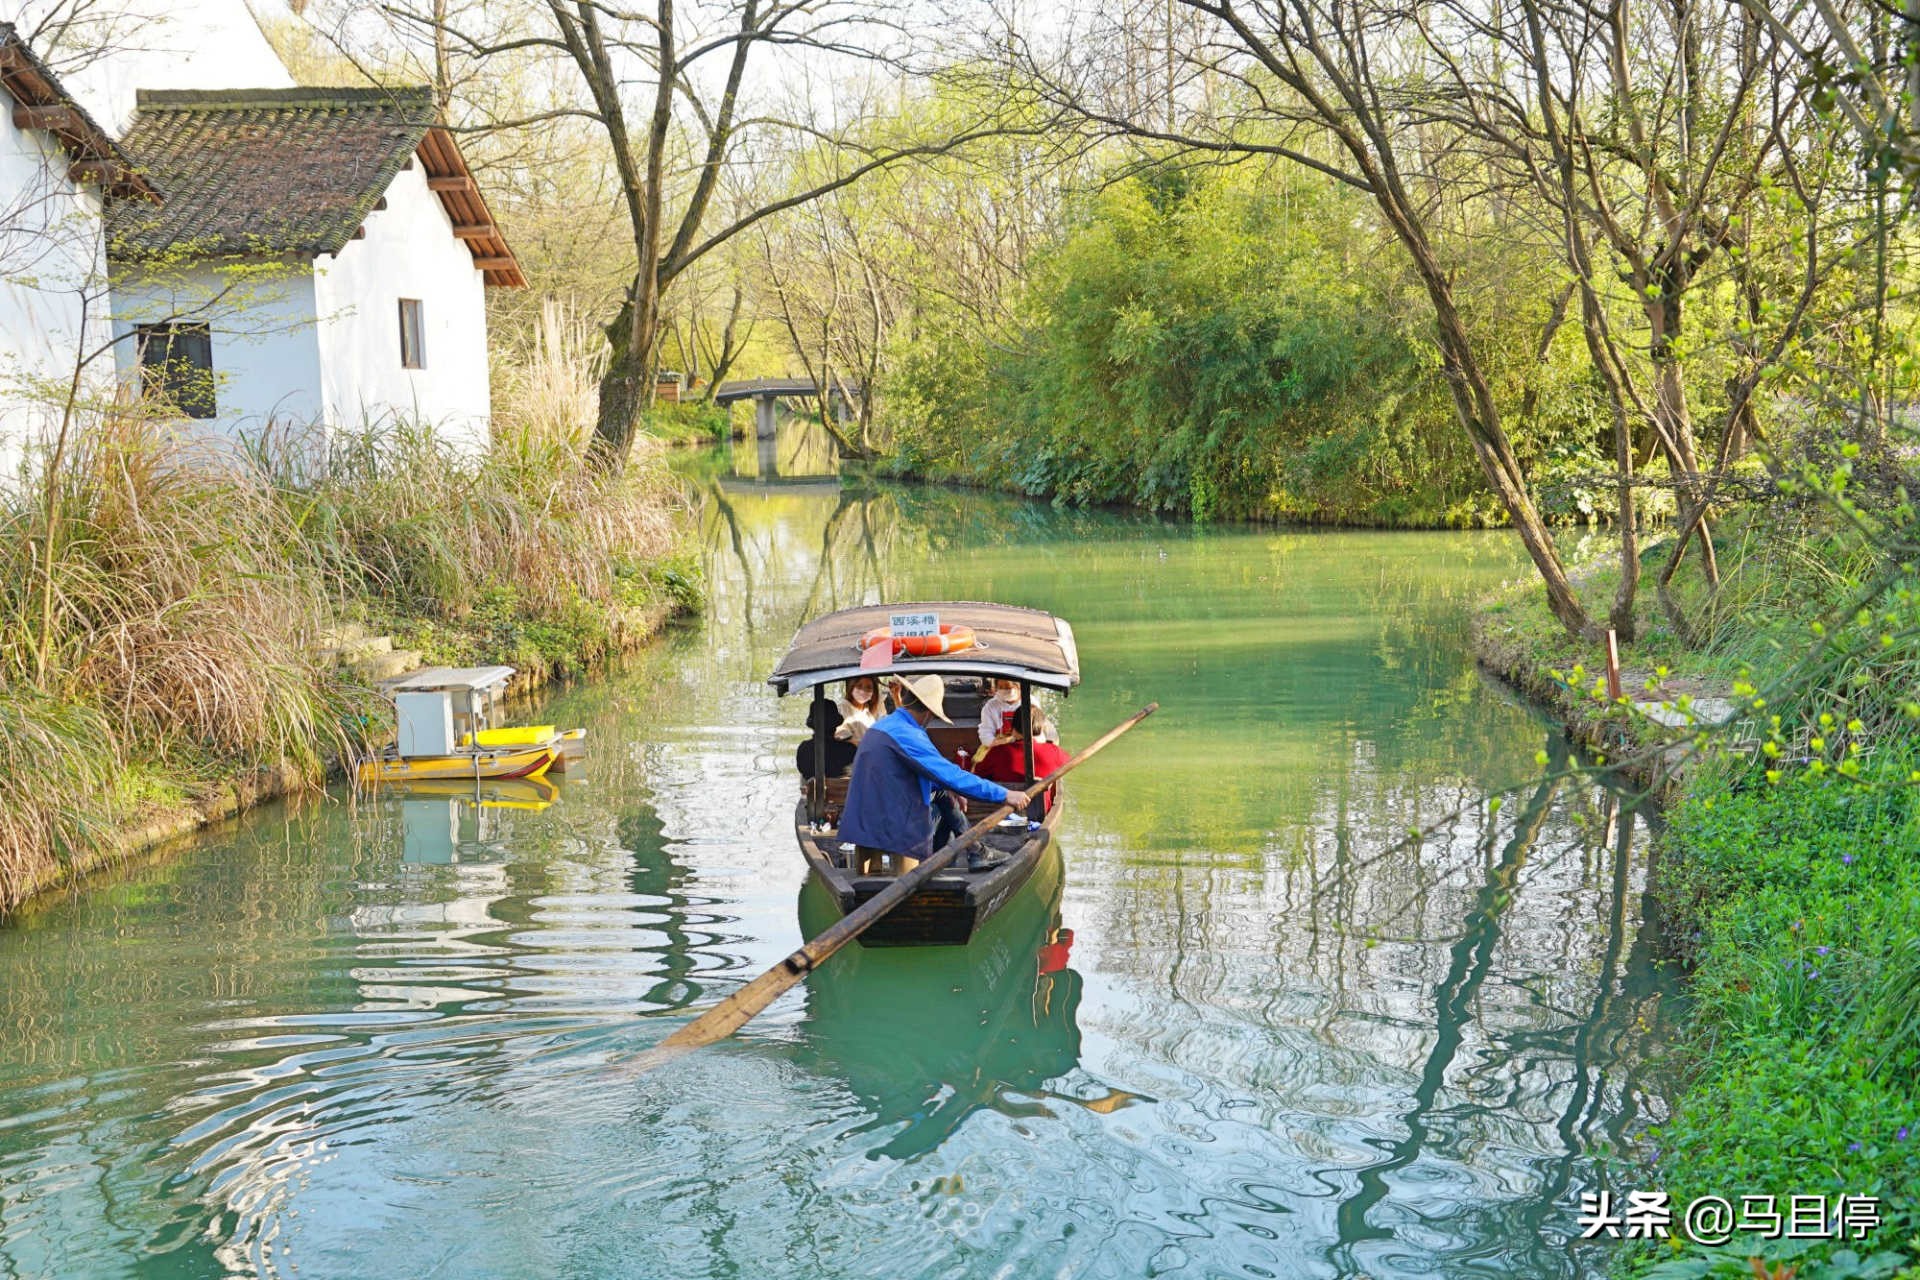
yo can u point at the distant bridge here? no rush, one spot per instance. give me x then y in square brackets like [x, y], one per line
[764, 391]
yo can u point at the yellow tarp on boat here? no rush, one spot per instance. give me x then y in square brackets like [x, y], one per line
[513, 735]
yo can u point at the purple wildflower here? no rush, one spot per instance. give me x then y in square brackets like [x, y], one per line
[1853, 1146]
[1820, 951]
[1900, 1135]
[1846, 859]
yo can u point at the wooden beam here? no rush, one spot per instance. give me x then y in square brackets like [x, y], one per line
[379, 204]
[57, 118]
[92, 171]
[360, 232]
[475, 230]
[496, 264]
[458, 182]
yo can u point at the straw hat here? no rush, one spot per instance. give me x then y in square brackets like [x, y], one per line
[932, 692]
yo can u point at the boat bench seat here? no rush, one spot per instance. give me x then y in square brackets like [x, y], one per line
[836, 796]
[950, 741]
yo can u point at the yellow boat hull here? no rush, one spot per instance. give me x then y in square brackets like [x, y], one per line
[532, 794]
[529, 763]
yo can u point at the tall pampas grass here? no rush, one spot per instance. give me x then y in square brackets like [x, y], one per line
[554, 394]
[156, 599]
[162, 601]
[406, 519]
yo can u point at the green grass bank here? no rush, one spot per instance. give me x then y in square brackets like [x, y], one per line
[164, 612]
[1789, 877]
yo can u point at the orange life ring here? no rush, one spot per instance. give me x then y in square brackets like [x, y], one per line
[953, 638]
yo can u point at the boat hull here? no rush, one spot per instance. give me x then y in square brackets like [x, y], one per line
[949, 908]
[487, 764]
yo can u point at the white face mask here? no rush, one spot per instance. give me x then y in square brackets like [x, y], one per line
[1010, 696]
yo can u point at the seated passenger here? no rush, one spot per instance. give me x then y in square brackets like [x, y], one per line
[890, 804]
[859, 708]
[840, 750]
[996, 714]
[1006, 762]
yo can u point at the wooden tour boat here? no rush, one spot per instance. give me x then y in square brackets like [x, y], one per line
[1029, 646]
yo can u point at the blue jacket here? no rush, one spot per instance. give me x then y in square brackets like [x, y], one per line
[890, 795]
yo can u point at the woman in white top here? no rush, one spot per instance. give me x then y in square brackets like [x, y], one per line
[996, 713]
[858, 705]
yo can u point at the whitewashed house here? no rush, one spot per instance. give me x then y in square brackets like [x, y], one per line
[318, 262]
[108, 50]
[56, 166]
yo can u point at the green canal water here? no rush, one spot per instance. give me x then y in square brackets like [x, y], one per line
[1239, 1027]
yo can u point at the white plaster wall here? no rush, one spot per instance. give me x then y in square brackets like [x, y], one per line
[114, 47]
[266, 345]
[409, 252]
[52, 276]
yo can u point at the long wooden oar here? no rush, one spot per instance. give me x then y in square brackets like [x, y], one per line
[737, 1009]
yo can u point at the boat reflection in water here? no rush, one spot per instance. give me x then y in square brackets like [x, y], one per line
[439, 818]
[928, 1036]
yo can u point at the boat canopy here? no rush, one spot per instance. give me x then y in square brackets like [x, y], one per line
[1008, 641]
[487, 680]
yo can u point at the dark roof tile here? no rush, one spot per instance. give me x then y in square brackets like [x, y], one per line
[261, 171]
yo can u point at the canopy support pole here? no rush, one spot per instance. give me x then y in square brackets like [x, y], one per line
[817, 802]
[1026, 748]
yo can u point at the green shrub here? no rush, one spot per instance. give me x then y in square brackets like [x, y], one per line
[688, 422]
[1203, 343]
[1799, 903]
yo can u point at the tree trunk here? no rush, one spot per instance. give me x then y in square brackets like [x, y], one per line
[1474, 405]
[1676, 420]
[626, 388]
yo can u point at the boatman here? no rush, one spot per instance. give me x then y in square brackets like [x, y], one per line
[889, 809]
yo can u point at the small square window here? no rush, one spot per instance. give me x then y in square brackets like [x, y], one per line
[413, 335]
[176, 367]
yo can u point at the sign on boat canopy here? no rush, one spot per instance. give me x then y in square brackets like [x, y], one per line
[911, 626]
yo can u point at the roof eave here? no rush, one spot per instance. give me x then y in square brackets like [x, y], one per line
[440, 156]
[95, 156]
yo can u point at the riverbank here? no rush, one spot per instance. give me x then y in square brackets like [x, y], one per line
[171, 665]
[1789, 882]
[988, 470]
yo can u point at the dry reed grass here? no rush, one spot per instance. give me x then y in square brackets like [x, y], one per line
[413, 522]
[554, 394]
[176, 622]
[175, 616]
[57, 794]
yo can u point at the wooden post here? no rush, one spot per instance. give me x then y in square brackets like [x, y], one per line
[1613, 666]
[1035, 810]
[817, 802]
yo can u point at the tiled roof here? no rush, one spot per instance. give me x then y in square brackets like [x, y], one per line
[265, 170]
[31, 84]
